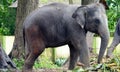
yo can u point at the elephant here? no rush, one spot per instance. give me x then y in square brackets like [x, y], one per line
[115, 41]
[58, 24]
[5, 61]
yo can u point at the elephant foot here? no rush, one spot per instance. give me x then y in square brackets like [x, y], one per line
[26, 69]
[80, 64]
[29, 70]
[109, 54]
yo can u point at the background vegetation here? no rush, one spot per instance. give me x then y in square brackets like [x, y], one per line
[7, 17]
[113, 13]
[7, 14]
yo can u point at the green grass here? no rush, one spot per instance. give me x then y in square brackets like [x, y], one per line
[45, 63]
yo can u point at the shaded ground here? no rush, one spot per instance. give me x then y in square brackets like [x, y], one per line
[108, 65]
[38, 70]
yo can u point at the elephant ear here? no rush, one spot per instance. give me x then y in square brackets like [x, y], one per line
[80, 15]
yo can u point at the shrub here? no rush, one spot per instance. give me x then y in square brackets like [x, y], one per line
[113, 13]
[7, 18]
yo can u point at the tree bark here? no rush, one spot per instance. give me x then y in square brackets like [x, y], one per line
[23, 9]
[70, 1]
[85, 2]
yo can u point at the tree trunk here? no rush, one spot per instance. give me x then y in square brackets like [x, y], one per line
[70, 1]
[85, 2]
[23, 9]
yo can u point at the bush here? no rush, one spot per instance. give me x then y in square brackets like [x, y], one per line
[113, 13]
[60, 61]
[43, 62]
[19, 63]
[7, 18]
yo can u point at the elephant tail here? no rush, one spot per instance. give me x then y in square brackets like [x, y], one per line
[118, 27]
[24, 36]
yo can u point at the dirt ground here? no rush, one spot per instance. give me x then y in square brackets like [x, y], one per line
[39, 70]
[108, 65]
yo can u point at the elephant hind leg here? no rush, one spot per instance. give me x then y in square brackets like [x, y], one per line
[33, 55]
[73, 56]
[110, 51]
[35, 46]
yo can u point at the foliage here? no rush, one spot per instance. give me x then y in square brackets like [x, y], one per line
[113, 13]
[42, 63]
[112, 65]
[60, 61]
[109, 65]
[7, 17]
[19, 63]
[43, 1]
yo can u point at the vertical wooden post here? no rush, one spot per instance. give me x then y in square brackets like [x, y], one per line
[53, 55]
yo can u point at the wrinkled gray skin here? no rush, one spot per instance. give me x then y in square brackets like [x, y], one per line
[58, 24]
[5, 61]
[115, 42]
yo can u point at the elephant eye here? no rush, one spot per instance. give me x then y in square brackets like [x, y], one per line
[97, 21]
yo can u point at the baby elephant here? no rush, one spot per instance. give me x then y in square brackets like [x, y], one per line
[59, 24]
[115, 42]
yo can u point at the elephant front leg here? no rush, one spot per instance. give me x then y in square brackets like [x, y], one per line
[84, 55]
[79, 48]
[73, 56]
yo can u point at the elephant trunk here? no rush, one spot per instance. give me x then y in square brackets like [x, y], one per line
[104, 34]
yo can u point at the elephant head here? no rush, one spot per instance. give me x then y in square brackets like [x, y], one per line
[93, 18]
